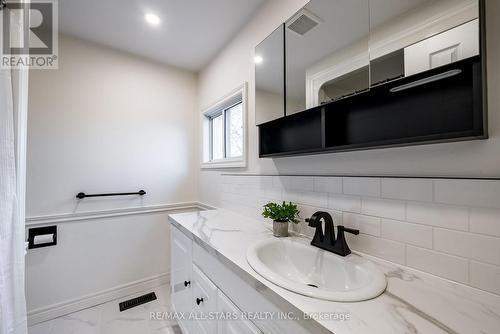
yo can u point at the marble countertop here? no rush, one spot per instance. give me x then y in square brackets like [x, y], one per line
[414, 302]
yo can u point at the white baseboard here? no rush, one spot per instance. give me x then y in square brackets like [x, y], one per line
[57, 310]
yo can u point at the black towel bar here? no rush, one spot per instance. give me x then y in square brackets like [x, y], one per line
[83, 195]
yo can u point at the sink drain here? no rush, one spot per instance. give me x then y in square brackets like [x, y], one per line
[312, 285]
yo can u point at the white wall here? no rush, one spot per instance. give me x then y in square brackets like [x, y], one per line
[92, 257]
[235, 65]
[106, 122]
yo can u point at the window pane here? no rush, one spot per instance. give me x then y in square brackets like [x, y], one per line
[218, 138]
[234, 124]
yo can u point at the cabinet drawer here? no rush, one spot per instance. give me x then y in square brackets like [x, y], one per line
[230, 326]
[204, 300]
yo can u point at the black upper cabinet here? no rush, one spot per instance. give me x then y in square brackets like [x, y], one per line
[380, 73]
[398, 113]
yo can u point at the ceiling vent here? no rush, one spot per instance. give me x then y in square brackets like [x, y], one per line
[303, 22]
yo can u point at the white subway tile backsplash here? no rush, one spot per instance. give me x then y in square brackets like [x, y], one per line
[407, 189]
[256, 181]
[385, 208]
[363, 186]
[278, 181]
[485, 276]
[413, 234]
[306, 211]
[292, 196]
[228, 188]
[344, 203]
[383, 248]
[365, 224]
[485, 221]
[438, 215]
[298, 183]
[468, 245]
[263, 182]
[328, 185]
[478, 193]
[439, 264]
[303, 183]
[272, 194]
[314, 199]
[450, 228]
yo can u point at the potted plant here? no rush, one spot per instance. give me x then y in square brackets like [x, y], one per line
[281, 216]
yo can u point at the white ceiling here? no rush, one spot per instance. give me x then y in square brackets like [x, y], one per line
[189, 36]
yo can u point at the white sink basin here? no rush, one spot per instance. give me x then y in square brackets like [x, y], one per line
[299, 267]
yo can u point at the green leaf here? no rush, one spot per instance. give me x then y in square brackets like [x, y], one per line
[283, 213]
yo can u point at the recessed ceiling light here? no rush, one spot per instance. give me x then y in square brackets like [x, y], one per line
[152, 19]
[258, 59]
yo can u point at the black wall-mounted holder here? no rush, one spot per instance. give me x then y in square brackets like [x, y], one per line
[3, 4]
[441, 105]
[39, 231]
[84, 195]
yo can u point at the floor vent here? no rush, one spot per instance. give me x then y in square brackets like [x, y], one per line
[137, 301]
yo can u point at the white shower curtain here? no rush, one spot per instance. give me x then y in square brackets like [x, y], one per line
[12, 298]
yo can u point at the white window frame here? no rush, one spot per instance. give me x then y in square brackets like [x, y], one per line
[219, 108]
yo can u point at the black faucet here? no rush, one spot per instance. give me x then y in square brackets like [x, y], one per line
[327, 239]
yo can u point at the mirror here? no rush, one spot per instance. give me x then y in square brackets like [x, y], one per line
[408, 37]
[326, 53]
[269, 78]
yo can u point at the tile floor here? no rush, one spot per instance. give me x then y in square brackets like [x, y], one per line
[107, 319]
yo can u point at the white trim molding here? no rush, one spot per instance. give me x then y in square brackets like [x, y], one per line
[90, 215]
[58, 310]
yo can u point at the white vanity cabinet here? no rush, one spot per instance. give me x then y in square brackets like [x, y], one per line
[196, 296]
[180, 278]
[225, 306]
[203, 301]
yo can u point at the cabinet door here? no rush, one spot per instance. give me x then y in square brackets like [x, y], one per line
[270, 78]
[180, 279]
[230, 326]
[204, 301]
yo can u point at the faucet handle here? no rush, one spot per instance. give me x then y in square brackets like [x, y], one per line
[341, 246]
[348, 230]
